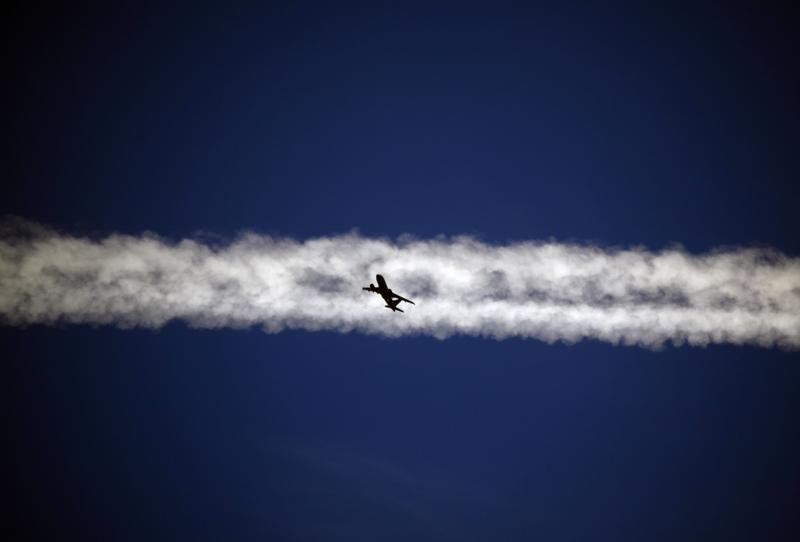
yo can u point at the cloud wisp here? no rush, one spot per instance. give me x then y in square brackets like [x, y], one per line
[541, 290]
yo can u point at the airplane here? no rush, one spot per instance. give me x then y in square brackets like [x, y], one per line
[391, 298]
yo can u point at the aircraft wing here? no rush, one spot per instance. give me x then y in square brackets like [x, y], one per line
[404, 299]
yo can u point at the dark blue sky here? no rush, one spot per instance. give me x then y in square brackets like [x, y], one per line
[615, 125]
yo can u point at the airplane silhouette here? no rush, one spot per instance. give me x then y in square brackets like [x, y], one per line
[391, 298]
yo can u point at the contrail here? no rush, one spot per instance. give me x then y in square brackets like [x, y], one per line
[543, 290]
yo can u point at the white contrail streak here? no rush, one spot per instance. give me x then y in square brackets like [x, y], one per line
[543, 290]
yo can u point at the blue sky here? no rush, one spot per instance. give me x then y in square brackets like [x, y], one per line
[620, 126]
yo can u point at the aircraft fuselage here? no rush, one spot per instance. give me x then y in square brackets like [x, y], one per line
[389, 297]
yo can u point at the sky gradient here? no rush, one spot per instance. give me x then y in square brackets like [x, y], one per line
[625, 126]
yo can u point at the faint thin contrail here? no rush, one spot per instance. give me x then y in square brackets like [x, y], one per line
[543, 290]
